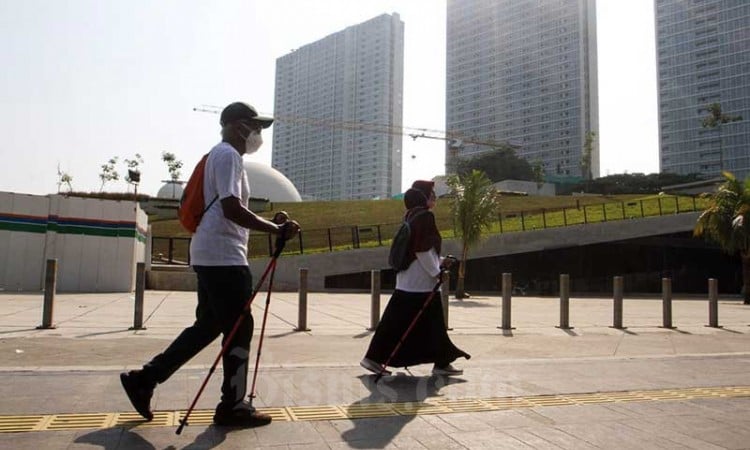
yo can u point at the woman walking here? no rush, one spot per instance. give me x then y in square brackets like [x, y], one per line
[428, 341]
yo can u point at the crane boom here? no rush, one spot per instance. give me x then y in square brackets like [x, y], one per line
[455, 140]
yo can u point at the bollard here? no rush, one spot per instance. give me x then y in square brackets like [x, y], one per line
[565, 302]
[617, 296]
[302, 302]
[50, 287]
[507, 287]
[140, 287]
[446, 277]
[666, 299]
[374, 299]
[713, 303]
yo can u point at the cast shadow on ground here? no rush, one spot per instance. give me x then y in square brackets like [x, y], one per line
[120, 438]
[568, 331]
[102, 333]
[470, 304]
[399, 388]
[211, 437]
[284, 334]
[677, 330]
[115, 438]
[728, 330]
[19, 331]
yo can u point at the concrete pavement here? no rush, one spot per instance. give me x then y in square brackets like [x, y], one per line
[536, 386]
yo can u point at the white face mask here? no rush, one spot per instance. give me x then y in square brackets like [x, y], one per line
[253, 142]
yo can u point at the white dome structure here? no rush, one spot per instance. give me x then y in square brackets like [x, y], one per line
[267, 182]
[171, 190]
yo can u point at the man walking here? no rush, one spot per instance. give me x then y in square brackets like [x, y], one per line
[218, 252]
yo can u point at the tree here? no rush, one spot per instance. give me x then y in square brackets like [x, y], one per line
[723, 222]
[173, 164]
[538, 171]
[108, 172]
[630, 183]
[715, 119]
[474, 206]
[64, 178]
[588, 149]
[499, 164]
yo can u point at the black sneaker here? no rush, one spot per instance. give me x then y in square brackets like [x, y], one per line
[243, 415]
[138, 392]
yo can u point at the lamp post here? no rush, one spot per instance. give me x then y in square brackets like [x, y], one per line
[135, 178]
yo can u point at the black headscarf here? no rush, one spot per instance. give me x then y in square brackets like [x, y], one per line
[424, 232]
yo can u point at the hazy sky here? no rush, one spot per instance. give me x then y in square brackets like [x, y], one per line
[85, 80]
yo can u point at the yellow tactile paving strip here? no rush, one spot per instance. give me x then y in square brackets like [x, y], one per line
[57, 422]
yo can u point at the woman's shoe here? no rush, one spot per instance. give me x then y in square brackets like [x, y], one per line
[447, 370]
[374, 367]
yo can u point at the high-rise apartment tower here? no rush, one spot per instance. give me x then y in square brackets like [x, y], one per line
[524, 72]
[703, 58]
[342, 96]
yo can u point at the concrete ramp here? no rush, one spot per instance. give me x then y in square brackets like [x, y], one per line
[322, 265]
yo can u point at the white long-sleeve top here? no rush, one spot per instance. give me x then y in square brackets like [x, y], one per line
[422, 274]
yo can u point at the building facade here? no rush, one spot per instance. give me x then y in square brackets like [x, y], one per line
[523, 72]
[338, 103]
[703, 58]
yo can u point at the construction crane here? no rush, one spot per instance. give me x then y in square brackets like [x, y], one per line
[343, 125]
[455, 140]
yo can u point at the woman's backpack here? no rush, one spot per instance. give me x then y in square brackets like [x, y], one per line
[398, 257]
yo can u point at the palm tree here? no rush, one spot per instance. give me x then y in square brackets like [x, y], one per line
[474, 206]
[723, 222]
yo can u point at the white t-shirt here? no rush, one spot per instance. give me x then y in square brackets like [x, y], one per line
[218, 241]
[422, 273]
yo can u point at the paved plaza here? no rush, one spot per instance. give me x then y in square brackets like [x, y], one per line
[534, 386]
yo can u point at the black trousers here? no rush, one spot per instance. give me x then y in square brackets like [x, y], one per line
[222, 293]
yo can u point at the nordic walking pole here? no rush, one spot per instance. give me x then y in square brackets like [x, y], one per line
[245, 310]
[280, 217]
[411, 325]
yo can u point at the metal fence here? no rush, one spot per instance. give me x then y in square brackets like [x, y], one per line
[175, 250]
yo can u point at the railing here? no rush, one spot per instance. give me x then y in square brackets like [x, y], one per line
[175, 250]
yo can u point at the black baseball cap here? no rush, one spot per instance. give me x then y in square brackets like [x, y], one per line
[242, 111]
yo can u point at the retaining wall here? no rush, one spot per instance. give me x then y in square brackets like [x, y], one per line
[96, 242]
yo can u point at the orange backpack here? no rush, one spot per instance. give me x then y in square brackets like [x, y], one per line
[192, 204]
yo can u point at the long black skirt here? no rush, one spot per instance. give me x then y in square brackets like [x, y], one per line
[428, 340]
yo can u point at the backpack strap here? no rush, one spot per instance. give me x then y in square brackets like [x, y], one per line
[217, 195]
[209, 205]
[413, 213]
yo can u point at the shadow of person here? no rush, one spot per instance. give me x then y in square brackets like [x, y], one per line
[211, 437]
[119, 438]
[115, 438]
[378, 432]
